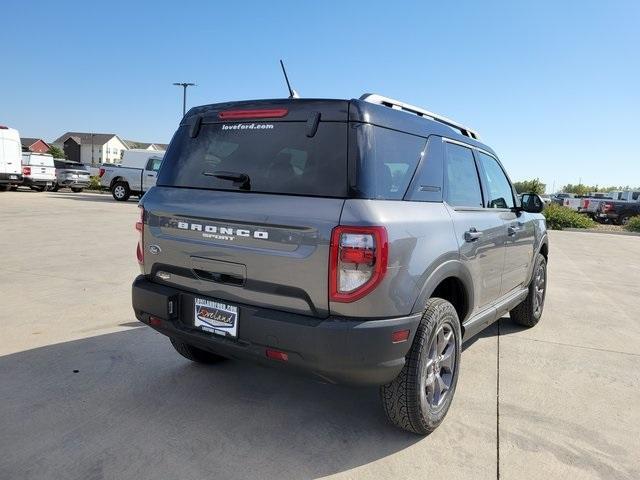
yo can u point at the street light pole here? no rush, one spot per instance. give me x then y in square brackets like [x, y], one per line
[184, 86]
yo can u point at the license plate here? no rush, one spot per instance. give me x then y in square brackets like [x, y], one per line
[216, 317]
[13, 177]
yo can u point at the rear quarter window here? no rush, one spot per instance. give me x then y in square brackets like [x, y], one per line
[384, 161]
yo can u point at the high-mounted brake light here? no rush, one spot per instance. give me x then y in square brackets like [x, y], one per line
[357, 261]
[247, 114]
[26, 170]
[140, 229]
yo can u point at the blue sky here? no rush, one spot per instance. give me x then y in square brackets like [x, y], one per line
[552, 86]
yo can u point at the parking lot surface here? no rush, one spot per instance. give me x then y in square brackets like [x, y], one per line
[90, 393]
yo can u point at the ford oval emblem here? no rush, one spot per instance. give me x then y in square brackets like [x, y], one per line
[154, 249]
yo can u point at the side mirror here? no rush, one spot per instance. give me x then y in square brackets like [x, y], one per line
[531, 203]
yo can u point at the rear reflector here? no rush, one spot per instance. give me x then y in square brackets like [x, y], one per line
[243, 114]
[277, 355]
[154, 321]
[400, 336]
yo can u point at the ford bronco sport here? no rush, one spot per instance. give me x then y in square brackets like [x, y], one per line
[358, 240]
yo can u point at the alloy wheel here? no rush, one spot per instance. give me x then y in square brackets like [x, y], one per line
[441, 365]
[538, 289]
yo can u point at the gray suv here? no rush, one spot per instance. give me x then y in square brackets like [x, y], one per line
[361, 241]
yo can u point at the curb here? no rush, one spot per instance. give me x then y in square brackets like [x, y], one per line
[586, 230]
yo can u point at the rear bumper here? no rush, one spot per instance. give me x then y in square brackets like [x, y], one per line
[6, 178]
[73, 183]
[37, 182]
[337, 349]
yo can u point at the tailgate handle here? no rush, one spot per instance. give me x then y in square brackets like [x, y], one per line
[219, 277]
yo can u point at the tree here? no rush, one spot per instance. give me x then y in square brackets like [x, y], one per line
[56, 152]
[579, 189]
[530, 186]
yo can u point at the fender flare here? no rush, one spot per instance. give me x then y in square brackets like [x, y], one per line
[450, 268]
[118, 179]
[544, 241]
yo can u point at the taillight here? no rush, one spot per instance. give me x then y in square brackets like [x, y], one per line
[606, 206]
[357, 262]
[140, 228]
[585, 204]
[101, 172]
[264, 113]
[26, 170]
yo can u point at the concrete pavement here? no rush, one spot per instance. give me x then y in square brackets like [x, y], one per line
[89, 393]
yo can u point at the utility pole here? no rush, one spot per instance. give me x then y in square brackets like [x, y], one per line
[92, 162]
[184, 94]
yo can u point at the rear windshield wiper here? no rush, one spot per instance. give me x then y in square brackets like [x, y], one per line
[240, 180]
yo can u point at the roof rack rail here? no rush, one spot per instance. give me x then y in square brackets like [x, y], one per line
[421, 112]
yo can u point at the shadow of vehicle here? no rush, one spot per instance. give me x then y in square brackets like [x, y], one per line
[503, 326]
[125, 405]
[91, 197]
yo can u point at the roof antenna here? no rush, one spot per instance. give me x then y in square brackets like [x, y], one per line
[292, 92]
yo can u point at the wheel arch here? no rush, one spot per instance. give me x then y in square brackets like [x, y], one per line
[451, 281]
[115, 180]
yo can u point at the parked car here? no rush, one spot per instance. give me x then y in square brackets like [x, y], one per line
[573, 203]
[559, 197]
[38, 171]
[358, 240]
[10, 158]
[134, 176]
[71, 175]
[590, 204]
[618, 212]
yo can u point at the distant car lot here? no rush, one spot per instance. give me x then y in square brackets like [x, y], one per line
[568, 396]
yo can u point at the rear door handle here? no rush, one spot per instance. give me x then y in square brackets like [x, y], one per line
[472, 235]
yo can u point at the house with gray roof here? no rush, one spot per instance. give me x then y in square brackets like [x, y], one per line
[91, 148]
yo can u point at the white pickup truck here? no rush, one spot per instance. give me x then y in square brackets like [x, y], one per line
[135, 175]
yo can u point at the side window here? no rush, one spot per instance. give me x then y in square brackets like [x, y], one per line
[154, 164]
[500, 192]
[386, 161]
[461, 177]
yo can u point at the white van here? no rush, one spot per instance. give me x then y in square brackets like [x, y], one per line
[38, 171]
[10, 157]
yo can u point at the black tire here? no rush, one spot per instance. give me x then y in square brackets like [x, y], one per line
[13, 188]
[529, 312]
[406, 399]
[121, 191]
[195, 354]
[4, 188]
[623, 220]
[37, 189]
[76, 189]
[54, 188]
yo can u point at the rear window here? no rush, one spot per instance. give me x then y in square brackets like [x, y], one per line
[38, 160]
[277, 157]
[69, 165]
